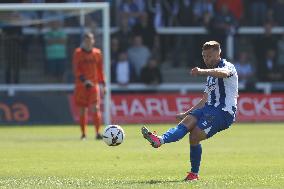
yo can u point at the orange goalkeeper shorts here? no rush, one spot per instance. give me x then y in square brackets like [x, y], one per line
[85, 97]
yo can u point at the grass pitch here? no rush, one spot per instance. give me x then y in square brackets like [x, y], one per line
[244, 156]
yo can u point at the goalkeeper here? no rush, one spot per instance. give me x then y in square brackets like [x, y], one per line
[88, 71]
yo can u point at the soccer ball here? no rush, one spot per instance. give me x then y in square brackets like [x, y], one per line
[113, 135]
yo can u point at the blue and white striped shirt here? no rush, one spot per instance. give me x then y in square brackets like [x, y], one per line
[223, 92]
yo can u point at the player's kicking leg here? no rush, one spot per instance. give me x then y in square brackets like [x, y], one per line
[174, 134]
[154, 140]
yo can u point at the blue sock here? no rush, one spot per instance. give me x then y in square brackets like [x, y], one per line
[195, 157]
[175, 134]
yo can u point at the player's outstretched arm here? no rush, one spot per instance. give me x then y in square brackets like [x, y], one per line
[216, 72]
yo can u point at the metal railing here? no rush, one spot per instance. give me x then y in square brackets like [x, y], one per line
[12, 89]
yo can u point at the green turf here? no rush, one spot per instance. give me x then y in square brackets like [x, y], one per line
[245, 156]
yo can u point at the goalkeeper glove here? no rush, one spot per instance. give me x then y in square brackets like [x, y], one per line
[88, 84]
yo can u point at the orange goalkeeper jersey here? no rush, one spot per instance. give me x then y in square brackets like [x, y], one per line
[88, 66]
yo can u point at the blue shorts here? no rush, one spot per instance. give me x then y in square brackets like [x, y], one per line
[212, 119]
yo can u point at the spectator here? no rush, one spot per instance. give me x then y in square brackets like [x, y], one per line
[225, 21]
[258, 9]
[29, 15]
[171, 9]
[207, 22]
[264, 43]
[114, 50]
[244, 68]
[183, 50]
[223, 24]
[141, 4]
[130, 10]
[234, 6]
[13, 45]
[278, 8]
[198, 40]
[138, 54]
[280, 58]
[146, 30]
[124, 34]
[124, 72]
[244, 44]
[55, 49]
[163, 11]
[160, 11]
[268, 69]
[151, 73]
[269, 17]
[156, 50]
[154, 8]
[185, 13]
[200, 8]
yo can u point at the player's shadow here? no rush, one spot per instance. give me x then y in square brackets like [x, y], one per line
[157, 181]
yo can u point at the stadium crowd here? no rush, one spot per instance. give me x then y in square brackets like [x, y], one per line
[138, 51]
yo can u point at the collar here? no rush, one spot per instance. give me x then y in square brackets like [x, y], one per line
[221, 63]
[87, 51]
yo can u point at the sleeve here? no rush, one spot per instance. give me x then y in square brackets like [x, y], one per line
[206, 86]
[77, 68]
[231, 69]
[101, 75]
[206, 89]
